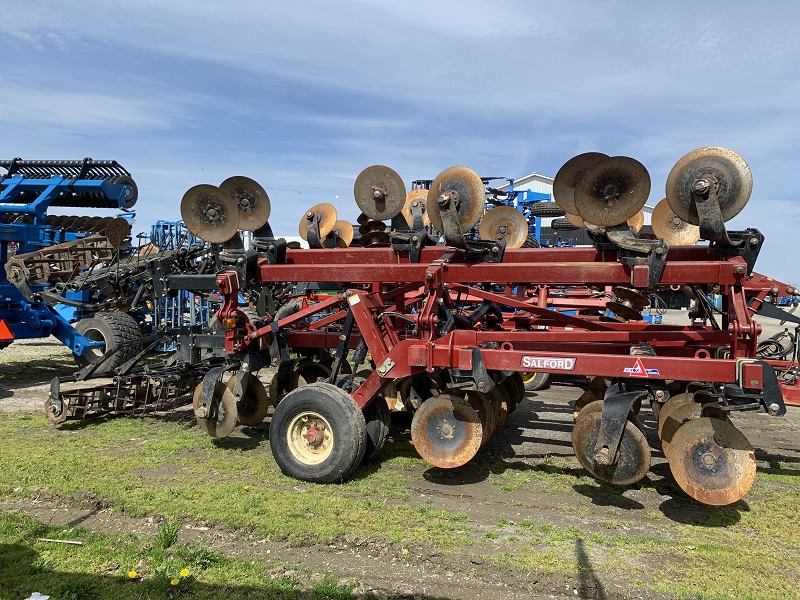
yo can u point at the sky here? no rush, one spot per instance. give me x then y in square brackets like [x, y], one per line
[302, 96]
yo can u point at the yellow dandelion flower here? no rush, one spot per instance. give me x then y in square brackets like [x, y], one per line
[246, 488]
[132, 574]
[184, 572]
[175, 581]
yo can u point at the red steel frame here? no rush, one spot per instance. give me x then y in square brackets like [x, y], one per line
[382, 284]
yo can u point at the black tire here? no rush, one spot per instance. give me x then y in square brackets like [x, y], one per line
[562, 225]
[379, 421]
[288, 309]
[546, 209]
[530, 242]
[535, 381]
[339, 421]
[112, 327]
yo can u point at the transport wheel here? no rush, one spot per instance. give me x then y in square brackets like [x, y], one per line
[676, 418]
[222, 409]
[712, 461]
[112, 327]
[670, 405]
[378, 422]
[535, 381]
[318, 434]
[252, 408]
[446, 431]
[633, 456]
[546, 209]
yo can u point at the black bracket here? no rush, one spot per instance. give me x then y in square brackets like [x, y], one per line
[206, 407]
[616, 406]
[411, 242]
[341, 347]
[448, 210]
[477, 378]
[747, 244]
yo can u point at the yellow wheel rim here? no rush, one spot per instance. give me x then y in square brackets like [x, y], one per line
[310, 438]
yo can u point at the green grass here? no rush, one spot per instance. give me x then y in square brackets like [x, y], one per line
[124, 566]
[168, 468]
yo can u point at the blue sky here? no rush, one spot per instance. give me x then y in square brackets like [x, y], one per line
[302, 96]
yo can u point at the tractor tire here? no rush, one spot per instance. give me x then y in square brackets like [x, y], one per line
[546, 209]
[318, 434]
[530, 242]
[112, 327]
[562, 225]
[288, 309]
[535, 381]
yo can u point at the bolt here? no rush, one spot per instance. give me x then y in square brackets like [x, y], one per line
[754, 241]
[201, 412]
[774, 408]
[602, 458]
[739, 270]
[495, 249]
[342, 338]
[702, 186]
[428, 276]
[481, 386]
[659, 394]
[754, 383]
[659, 251]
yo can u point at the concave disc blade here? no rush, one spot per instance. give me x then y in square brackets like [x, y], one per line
[636, 221]
[223, 409]
[712, 461]
[671, 228]
[210, 213]
[471, 196]
[612, 191]
[446, 431]
[327, 220]
[576, 220]
[676, 418]
[633, 457]
[419, 195]
[344, 231]
[380, 192]
[504, 222]
[251, 200]
[729, 169]
[568, 177]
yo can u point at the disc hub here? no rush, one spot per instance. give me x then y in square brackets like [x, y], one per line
[706, 460]
[446, 430]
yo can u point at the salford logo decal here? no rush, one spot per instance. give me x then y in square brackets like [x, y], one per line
[638, 370]
[548, 363]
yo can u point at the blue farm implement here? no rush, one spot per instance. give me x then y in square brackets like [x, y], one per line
[42, 253]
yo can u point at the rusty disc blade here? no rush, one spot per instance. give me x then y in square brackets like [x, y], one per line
[251, 200]
[252, 408]
[327, 219]
[671, 228]
[101, 224]
[91, 223]
[467, 185]
[344, 233]
[568, 177]
[636, 299]
[734, 179]
[380, 192]
[623, 312]
[419, 195]
[674, 420]
[209, 213]
[117, 231]
[489, 411]
[446, 431]
[633, 456]
[584, 399]
[504, 223]
[576, 220]
[223, 411]
[712, 461]
[612, 191]
[636, 221]
[671, 404]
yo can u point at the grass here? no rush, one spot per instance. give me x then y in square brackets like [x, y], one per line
[149, 467]
[125, 566]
